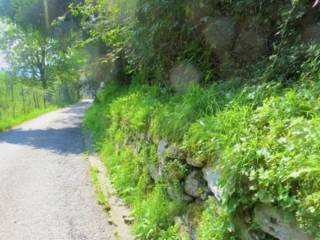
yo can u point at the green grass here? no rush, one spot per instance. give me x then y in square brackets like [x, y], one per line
[14, 121]
[20, 101]
[102, 199]
[263, 137]
[215, 223]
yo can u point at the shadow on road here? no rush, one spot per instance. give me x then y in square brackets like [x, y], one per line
[59, 134]
[64, 140]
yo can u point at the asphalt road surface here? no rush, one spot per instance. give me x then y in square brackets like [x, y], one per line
[45, 189]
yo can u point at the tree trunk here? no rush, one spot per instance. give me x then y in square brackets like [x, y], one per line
[42, 71]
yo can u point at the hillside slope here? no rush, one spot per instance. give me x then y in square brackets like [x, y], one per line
[211, 131]
[203, 160]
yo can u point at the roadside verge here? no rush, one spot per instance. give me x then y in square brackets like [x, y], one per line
[11, 122]
[119, 214]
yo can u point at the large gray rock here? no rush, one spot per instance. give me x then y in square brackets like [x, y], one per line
[162, 150]
[198, 12]
[250, 45]
[177, 194]
[212, 177]
[195, 162]
[276, 223]
[165, 153]
[195, 185]
[185, 231]
[244, 230]
[184, 75]
[156, 169]
[311, 33]
[168, 151]
[154, 172]
[173, 152]
[220, 33]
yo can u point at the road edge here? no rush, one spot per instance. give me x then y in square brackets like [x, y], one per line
[118, 212]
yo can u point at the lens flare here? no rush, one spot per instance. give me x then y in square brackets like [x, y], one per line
[183, 75]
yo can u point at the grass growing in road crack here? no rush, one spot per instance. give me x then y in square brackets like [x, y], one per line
[102, 199]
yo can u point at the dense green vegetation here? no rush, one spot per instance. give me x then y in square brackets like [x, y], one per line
[42, 68]
[233, 86]
[264, 138]
[230, 87]
[19, 102]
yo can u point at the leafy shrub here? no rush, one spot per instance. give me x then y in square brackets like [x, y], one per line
[155, 213]
[215, 223]
[172, 233]
[97, 117]
[208, 137]
[173, 118]
[276, 161]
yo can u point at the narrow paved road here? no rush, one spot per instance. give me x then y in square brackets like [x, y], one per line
[45, 190]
